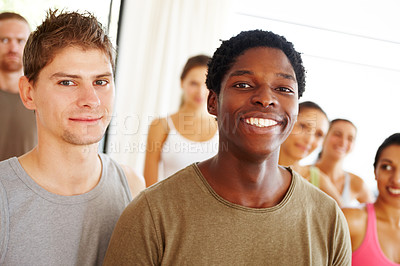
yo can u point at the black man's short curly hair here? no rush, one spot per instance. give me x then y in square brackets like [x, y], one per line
[226, 55]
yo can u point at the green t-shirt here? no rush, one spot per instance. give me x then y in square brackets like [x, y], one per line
[182, 221]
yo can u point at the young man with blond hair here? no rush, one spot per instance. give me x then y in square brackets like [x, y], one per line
[59, 202]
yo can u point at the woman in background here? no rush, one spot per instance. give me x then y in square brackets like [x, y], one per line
[375, 228]
[185, 137]
[307, 135]
[338, 143]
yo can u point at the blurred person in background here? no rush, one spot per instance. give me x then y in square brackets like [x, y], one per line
[307, 135]
[17, 124]
[338, 143]
[187, 136]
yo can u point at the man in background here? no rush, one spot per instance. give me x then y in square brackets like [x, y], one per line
[17, 124]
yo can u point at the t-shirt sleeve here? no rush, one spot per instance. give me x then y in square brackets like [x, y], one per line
[135, 240]
[342, 242]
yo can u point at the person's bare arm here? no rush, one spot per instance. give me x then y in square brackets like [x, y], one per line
[158, 132]
[360, 188]
[135, 181]
[357, 222]
[326, 185]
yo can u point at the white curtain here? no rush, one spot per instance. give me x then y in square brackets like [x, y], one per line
[156, 38]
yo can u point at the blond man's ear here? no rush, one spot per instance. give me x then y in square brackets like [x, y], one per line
[26, 92]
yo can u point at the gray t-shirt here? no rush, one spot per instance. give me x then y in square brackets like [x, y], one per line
[17, 126]
[41, 228]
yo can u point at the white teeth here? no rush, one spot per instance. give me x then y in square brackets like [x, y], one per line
[260, 122]
[394, 190]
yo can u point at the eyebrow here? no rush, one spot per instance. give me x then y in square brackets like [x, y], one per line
[247, 72]
[387, 160]
[241, 73]
[286, 76]
[66, 75]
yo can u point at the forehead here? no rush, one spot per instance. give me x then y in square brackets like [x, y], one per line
[312, 114]
[313, 118]
[344, 127]
[199, 71]
[78, 61]
[392, 153]
[14, 26]
[263, 57]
